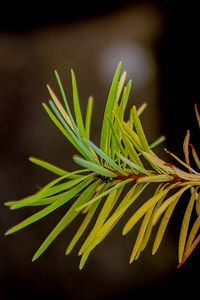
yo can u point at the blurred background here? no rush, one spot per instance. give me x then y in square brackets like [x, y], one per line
[157, 41]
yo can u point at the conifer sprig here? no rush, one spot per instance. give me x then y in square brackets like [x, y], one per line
[123, 158]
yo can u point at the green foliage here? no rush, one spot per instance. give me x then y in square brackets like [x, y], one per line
[124, 158]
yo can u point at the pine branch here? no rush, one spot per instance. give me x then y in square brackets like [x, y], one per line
[119, 161]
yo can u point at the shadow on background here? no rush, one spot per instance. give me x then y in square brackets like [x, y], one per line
[157, 43]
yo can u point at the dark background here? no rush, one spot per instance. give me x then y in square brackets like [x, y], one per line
[91, 38]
